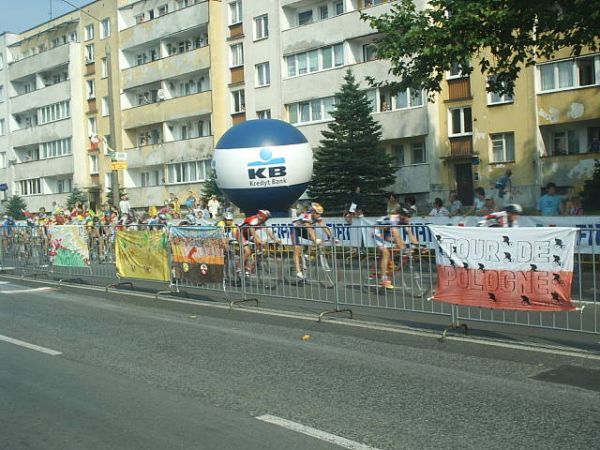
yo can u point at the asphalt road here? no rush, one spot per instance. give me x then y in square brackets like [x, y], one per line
[135, 372]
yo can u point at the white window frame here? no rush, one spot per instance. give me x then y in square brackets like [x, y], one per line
[463, 129]
[2, 127]
[29, 187]
[400, 155]
[90, 89]
[55, 149]
[414, 99]
[104, 68]
[238, 101]
[89, 54]
[505, 144]
[235, 12]
[261, 27]
[92, 126]
[572, 142]
[1, 93]
[337, 58]
[236, 55]
[94, 161]
[263, 74]
[263, 114]
[572, 72]
[64, 185]
[418, 146]
[88, 32]
[181, 172]
[499, 99]
[105, 106]
[456, 71]
[105, 28]
[311, 111]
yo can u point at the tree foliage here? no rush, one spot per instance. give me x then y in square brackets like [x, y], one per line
[349, 154]
[210, 186]
[15, 207]
[76, 195]
[504, 35]
[590, 196]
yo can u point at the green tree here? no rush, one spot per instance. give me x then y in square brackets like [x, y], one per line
[504, 35]
[109, 195]
[76, 195]
[15, 207]
[210, 187]
[590, 196]
[349, 154]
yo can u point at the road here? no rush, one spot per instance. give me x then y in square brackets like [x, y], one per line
[135, 372]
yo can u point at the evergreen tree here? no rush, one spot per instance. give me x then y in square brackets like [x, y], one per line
[590, 196]
[349, 155]
[210, 186]
[15, 207]
[109, 195]
[76, 195]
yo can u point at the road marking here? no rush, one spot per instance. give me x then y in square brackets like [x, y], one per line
[313, 432]
[25, 291]
[4, 282]
[37, 348]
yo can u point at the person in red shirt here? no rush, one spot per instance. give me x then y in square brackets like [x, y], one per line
[247, 232]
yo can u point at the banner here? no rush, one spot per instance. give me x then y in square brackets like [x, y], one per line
[527, 269]
[197, 254]
[68, 246]
[142, 254]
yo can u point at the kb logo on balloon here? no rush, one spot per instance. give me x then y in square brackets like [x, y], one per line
[268, 171]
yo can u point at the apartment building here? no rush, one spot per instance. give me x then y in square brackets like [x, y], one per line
[5, 147]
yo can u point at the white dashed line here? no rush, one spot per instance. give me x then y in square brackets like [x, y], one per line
[37, 348]
[26, 291]
[313, 432]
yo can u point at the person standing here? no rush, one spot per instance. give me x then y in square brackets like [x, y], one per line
[550, 204]
[213, 206]
[503, 188]
[124, 205]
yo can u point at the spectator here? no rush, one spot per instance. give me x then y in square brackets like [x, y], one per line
[478, 202]
[411, 203]
[503, 188]
[214, 206]
[488, 207]
[595, 145]
[550, 204]
[573, 207]
[438, 209]
[190, 201]
[355, 208]
[124, 205]
[456, 206]
[392, 203]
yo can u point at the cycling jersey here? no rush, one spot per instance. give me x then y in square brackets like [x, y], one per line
[247, 224]
[383, 230]
[229, 231]
[496, 220]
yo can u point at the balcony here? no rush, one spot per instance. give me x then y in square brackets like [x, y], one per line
[163, 26]
[42, 133]
[461, 147]
[568, 106]
[170, 152]
[45, 96]
[50, 167]
[459, 88]
[43, 61]
[165, 68]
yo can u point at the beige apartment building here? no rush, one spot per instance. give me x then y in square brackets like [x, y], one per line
[162, 80]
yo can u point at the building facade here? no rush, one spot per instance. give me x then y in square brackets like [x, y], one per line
[162, 80]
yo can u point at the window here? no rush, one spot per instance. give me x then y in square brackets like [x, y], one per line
[64, 185]
[94, 164]
[460, 121]
[323, 12]
[315, 60]
[311, 111]
[458, 70]
[107, 181]
[163, 10]
[264, 114]
[88, 32]
[105, 28]
[503, 147]
[188, 172]
[3, 160]
[305, 17]
[105, 106]
[568, 74]
[338, 7]
[235, 12]
[56, 148]
[150, 137]
[239, 101]
[369, 52]
[104, 68]
[565, 142]
[494, 98]
[140, 18]
[263, 75]
[89, 53]
[399, 155]
[32, 186]
[417, 153]
[1, 61]
[51, 113]
[261, 27]
[1, 93]
[408, 98]
[237, 55]
[2, 127]
[91, 89]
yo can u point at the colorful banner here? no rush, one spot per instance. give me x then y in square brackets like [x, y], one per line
[197, 254]
[142, 254]
[527, 269]
[68, 246]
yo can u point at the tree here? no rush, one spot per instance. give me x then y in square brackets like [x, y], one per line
[590, 196]
[210, 187]
[109, 195]
[349, 154]
[75, 196]
[15, 207]
[504, 35]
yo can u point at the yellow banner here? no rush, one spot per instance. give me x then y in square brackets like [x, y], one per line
[142, 254]
[118, 165]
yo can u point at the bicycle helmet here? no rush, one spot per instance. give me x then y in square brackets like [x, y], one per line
[316, 207]
[513, 208]
[264, 212]
[228, 216]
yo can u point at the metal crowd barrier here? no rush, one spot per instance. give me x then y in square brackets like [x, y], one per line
[339, 276]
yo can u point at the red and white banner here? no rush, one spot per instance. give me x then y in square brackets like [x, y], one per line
[505, 268]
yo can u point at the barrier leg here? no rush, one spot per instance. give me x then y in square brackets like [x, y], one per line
[336, 286]
[454, 325]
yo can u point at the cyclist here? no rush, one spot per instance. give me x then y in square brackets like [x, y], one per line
[507, 218]
[229, 228]
[247, 232]
[388, 238]
[304, 227]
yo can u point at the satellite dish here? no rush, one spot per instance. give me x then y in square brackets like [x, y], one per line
[160, 94]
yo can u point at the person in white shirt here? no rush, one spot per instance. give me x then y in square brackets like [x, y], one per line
[213, 206]
[124, 205]
[438, 209]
